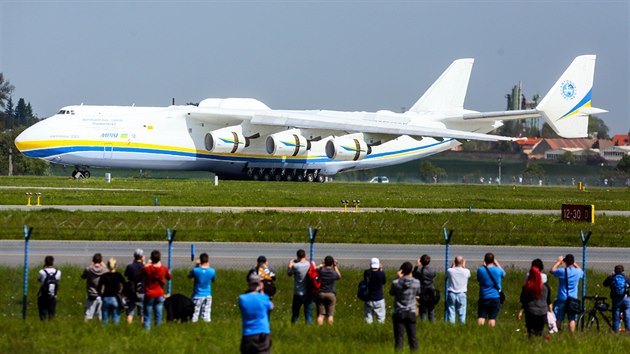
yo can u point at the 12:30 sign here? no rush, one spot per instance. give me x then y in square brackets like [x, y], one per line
[578, 212]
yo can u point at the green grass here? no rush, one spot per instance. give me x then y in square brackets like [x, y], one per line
[68, 333]
[386, 227]
[202, 192]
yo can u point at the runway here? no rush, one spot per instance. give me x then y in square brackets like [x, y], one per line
[243, 255]
[228, 209]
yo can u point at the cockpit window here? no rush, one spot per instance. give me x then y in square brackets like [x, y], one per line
[62, 112]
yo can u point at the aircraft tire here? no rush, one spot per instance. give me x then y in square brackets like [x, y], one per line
[310, 177]
[86, 174]
[299, 177]
[320, 178]
[256, 177]
[288, 177]
[278, 177]
[267, 177]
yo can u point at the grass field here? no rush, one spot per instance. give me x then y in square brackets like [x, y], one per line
[387, 227]
[68, 333]
[200, 192]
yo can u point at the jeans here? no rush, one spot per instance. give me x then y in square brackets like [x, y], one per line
[153, 305]
[298, 301]
[374, 307]
[619, 306]
[93, 308]
[47, 307]
[405, 322]
[203, 306]
[110, 308]
[456, 303]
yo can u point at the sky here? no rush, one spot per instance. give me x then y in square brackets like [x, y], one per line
[340, 55]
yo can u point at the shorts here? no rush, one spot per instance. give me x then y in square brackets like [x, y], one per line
[326, 304]
[559, 311]
[488, 308]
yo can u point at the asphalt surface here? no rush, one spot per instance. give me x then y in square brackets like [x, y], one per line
[243, 255]
[214, 209]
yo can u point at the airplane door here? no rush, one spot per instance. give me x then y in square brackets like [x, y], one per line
[108, 150]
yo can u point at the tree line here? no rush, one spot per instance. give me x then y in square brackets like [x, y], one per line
[13, 120]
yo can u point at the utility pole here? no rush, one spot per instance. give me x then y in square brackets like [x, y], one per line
[10, 161]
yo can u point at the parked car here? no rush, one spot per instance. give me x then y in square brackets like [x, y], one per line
[380, 179]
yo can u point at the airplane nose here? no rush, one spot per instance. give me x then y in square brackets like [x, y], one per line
[24, 139]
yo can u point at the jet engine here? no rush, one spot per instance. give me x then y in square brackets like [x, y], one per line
[287, 144]
[347, 149]
[229, 139]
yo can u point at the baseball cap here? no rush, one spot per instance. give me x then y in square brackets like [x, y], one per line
[375, 263]
[138, 253]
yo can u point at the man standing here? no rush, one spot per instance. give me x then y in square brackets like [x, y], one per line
[457, 285]
[375, 304]
[327, 296]
[92, 275]
[202, 289]
[619, 283]
[569, 276]
[135, 287]
[429, 298]
[154, 276]
[255, 306]
[298, 268]
[405, 289]
[489, 276]
[47, 296]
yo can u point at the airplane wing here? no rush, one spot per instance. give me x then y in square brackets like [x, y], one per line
[334, 122]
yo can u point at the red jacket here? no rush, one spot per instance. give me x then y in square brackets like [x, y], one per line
[154, 279]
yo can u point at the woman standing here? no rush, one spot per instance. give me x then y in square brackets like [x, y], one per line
[110, 288]
[535, 300]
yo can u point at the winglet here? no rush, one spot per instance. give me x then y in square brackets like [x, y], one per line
[448, 92]
[567, 105]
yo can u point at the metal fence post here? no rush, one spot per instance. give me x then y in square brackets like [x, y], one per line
[584, 242]
[447, 238]
[171, 238]
[311, 235]
[27, 237]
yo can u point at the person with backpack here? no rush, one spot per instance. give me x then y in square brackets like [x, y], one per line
[619, 284]
[374, 279]
[298, 269]
[92, 274]
[110, 286]
[266, 274]
[134, 288]
[429, 295]
[47, 296]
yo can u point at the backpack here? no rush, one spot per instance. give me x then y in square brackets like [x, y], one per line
[312, 280]
[619, 284]
[50, 285]
[363, 292]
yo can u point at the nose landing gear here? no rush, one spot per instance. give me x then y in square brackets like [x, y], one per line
[80, 173]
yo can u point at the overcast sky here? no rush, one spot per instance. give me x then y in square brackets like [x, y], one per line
[348, 55]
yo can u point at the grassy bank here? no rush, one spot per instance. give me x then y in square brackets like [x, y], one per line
[387, 227]
[348, 335]
[202, 192]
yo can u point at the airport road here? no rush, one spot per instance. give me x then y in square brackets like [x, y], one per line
[227, 209]
[243, 255]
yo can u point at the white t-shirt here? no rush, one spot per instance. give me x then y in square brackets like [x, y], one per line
[457, 278]
[42, 274]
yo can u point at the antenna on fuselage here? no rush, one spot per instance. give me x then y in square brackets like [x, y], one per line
[173, 101]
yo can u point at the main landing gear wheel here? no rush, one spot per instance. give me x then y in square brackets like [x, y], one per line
[310, 177]
[79, 174]
[320, 178]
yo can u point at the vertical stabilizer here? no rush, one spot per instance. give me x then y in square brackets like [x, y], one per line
[567, 105]
[447, 92]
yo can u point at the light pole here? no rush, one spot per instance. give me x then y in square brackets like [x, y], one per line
[499, 162]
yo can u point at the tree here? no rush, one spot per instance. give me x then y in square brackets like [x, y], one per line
[623, 165]
[567, 158]
[597, 128]
[22, 165]
[5, 90]
[431, 173]
[534, 171]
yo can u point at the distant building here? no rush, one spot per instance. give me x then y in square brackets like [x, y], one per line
[621, 140]
[615, 153]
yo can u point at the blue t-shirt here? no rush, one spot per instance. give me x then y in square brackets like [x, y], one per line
[255, 309]
[575, 274]
[486, 286]
[203, 281]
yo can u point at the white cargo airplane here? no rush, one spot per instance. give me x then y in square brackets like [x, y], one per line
[243, 138]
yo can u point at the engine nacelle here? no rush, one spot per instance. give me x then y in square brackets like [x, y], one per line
[347, 149]
[287, 144]
[226, 140]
